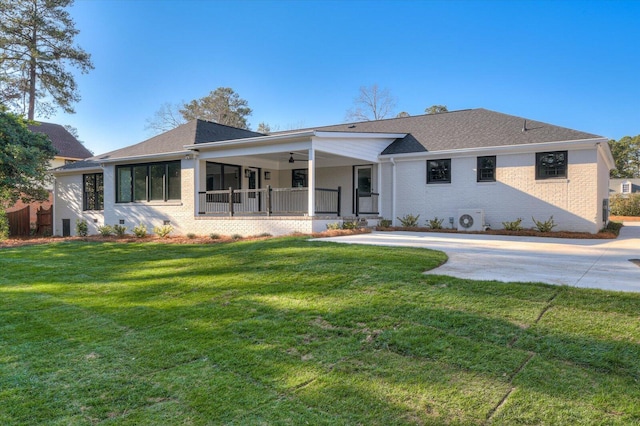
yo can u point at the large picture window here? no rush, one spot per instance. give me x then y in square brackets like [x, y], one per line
[439, 171]
[222, 176]
[93, 191]
[487, 169]
[148, 182]
[550, 165]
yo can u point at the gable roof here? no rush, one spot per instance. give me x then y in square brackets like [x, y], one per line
[194, 132]
[64, 142]
[472, 128]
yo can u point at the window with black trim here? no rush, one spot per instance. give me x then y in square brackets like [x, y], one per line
[148, 182]
[93, 191]
[223, 176]
[299, 178]
[439, 171]
[551, 165]
[487, 168]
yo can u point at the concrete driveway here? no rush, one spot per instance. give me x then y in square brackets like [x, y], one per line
[604, 264]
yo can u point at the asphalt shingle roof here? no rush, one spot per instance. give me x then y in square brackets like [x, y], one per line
[63, 141]
[473, 128]
[193, 132]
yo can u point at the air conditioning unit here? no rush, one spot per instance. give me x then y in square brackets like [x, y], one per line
[470, 220]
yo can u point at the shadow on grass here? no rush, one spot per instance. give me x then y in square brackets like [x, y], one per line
[340, 334]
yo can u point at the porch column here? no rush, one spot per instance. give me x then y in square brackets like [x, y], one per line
[311, 181]
[196, 186]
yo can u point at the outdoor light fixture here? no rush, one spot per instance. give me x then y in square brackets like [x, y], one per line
[291, 160]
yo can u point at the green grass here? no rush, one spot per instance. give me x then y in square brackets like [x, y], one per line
[287, 331]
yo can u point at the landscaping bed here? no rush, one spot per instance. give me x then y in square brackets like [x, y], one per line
[605, 234]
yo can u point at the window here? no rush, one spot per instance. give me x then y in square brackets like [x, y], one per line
[439, 171]
[626, 187]
[550, 165]
[93, 191]
[148, 182]
[222, 176]
[487, 169]
[299, 178]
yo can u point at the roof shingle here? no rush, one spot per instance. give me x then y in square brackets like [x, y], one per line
[63, 141]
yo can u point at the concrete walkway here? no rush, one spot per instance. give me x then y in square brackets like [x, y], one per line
[603, 264]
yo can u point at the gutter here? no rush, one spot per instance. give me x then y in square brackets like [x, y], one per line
[504, 149]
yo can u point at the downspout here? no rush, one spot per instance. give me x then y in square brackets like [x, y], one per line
[393, 191]
[53, 206]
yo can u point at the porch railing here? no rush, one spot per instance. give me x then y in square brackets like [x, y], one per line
[366, 203]
[268, 201]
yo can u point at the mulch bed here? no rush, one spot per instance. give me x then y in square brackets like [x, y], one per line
[523, 233]
[178, 239]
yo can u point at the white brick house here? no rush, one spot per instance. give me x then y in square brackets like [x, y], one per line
[206, 178]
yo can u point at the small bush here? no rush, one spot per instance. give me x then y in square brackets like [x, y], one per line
[140, 231]
[435, 223]
[385, 223]
[4, 225]
[265, 235]
[214, 236]
[163, 231]
[627, 205]
[236, 237]
[613, 228]
[350, 224]
[409, 220]
[119, 230]
[82, 229]
[105, 230]
[191, 235]
[546, 226]
[333, 226]
[516, 225]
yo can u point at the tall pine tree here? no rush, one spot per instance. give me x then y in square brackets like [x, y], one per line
[36, 50]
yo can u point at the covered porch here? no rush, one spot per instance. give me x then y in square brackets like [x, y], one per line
[307, 174]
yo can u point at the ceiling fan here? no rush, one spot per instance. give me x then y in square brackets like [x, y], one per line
[293, 160]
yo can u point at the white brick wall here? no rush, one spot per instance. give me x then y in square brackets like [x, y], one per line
[573, 202]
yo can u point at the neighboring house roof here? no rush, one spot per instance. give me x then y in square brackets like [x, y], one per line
[64, 142]
[472, 128]
[194, 132]
[615, 185]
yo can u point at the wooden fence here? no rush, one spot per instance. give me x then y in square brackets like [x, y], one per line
[19, 225]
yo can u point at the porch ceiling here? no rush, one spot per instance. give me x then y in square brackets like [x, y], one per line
[280, 160]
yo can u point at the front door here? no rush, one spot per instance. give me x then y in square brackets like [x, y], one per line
[363, 187]
[254, 200]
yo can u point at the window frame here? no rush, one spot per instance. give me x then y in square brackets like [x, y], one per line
[303, 177]
[140, 180]
[223, 174]
[98, 192]
[446, 164]
[480, 169]
[552, 172]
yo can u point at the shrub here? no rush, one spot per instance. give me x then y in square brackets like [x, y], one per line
[236, 237]
[82, 229]
[546, 226]
[4, 225]
[265, 235]
[163, 231]
[516, 225]
[119, 230]
[409, 220]
[385, 223]
[191, 235]
[140, 231]
[612, 227]
[214, 236]
[105, 230]
[333, 226]
[350, 224]
[435, 223]
[627, 205]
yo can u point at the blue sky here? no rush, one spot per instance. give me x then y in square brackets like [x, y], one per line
[301, 63]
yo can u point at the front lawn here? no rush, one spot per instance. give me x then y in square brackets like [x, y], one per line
[287, 331]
